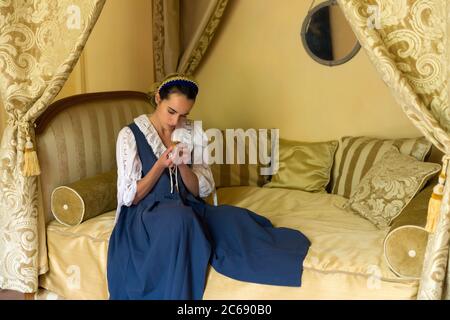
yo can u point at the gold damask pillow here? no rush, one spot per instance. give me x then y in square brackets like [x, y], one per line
[389, 186]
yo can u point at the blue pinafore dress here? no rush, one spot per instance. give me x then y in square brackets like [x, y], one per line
[161, 248]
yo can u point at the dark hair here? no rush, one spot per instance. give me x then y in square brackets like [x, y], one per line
[189, 89]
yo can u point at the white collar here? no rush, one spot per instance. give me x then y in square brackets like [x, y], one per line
[151, 135]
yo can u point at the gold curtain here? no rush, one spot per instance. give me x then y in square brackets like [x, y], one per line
[182, 32]
[406, 41]
[3, 118]
[40, 43]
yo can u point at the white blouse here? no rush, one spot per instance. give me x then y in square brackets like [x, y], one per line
[129, 164]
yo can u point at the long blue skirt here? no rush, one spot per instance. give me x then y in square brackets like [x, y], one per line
[162, 251]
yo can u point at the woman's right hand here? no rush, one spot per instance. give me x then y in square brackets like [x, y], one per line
[165, 161]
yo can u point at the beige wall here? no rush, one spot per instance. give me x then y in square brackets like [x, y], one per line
[118, 54]
[257, 74]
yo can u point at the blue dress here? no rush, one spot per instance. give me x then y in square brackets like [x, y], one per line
[161, 247]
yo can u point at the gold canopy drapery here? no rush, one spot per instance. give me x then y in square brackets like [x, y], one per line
[40, 43]
[182, 32]
[406, 40]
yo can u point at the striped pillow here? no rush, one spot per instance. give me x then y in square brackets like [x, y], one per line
[356, 155]
[231, 175]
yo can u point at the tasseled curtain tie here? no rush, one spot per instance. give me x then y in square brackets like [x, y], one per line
[31, 163]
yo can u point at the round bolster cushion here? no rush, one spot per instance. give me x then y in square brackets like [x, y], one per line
[406, 241]
[404, 250]
[84, 199]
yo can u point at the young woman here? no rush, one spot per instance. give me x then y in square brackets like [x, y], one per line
[165, 235]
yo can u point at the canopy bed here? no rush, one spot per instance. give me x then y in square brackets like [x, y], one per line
[406, 40]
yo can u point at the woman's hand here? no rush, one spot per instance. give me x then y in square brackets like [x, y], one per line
[181, 154]
[165, 161]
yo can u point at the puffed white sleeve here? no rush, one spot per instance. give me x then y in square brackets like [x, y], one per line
[205, 179]
[129, 167]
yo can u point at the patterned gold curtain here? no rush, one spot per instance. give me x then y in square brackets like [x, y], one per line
[182, 32]
[406, 40]
[40, 43]
[3, 118]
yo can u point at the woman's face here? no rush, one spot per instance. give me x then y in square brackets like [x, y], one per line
[173, 110]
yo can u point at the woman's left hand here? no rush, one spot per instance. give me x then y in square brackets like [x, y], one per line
[181, 154]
